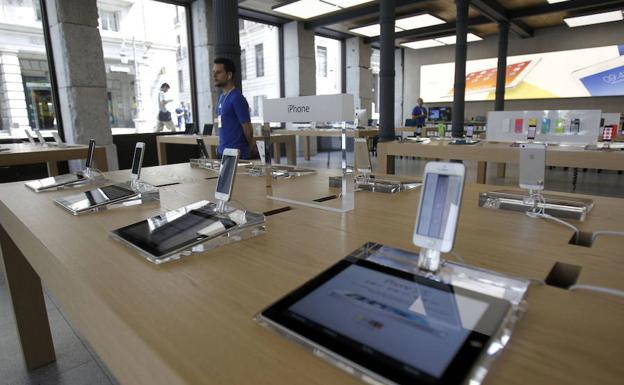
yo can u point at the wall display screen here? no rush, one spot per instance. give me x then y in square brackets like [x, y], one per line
[575, 73]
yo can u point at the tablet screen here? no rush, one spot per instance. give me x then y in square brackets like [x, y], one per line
[403, 327]
[174, 230]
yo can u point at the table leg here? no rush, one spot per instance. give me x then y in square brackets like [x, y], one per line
[162, 153]
[386, 162]
[500, 170]
[52, 168]
[306, 147]
[277, 153]
[291, 151]
[99, 155]
[481, 172]
[28, 304]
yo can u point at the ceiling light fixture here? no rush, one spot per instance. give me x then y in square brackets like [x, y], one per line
[402, 24]
[307, 9]
[596, 18]
[439, 41]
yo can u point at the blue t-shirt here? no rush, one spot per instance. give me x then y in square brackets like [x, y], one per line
[234, 111]
[419, 111]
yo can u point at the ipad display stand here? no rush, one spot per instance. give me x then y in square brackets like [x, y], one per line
[486, 282]
[249, 225]
[147, 193]
[366, 183]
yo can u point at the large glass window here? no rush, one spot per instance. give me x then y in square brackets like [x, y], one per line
[328, 65]
[259, 60]
[375, 70]
[26, 97]
[243, 64]
[146, 44]
[260, 50]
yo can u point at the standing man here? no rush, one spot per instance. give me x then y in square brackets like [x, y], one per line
[164, 116]
[233, 120]
[419, 114]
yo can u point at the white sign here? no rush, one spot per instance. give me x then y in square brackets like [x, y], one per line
[316, 108]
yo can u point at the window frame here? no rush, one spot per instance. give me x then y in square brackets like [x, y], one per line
[259, 68]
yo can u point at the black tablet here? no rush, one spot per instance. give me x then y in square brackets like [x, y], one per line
[176, 230]
[389, 324]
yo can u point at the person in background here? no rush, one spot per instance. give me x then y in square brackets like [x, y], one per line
[164, 116]
[419, 114]
[187, 114]
[233, 119]
[180, 115]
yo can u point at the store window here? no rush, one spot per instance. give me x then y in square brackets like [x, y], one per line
[243, 65]
[260, 60]
[321, 60]
[26, 97]
[328, 65]
[151, 48]
[109, 20]
[261, 40]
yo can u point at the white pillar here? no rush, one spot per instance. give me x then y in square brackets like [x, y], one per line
[203, 46]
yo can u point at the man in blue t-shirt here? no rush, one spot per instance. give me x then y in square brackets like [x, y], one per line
[419, 114]
[233, 120]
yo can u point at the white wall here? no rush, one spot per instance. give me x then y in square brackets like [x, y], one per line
[545, 40]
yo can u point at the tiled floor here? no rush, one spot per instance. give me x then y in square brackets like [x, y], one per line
[78, 364]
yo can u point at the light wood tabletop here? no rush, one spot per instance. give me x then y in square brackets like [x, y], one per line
[190, 321]
[497, 152]
[26, 153]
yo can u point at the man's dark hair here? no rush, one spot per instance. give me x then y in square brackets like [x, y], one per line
[165, 85]
[227, 64]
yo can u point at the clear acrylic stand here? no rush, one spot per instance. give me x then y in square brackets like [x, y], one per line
[90, 176]
[555, 205]
[146, 193]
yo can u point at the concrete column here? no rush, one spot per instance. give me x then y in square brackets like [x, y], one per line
[12, 98]
[299, 60]
[299, 68]
[386, 73]
[359, 74]
[204, 51]
[501, 70]
[227, 42]
[459, 94]
[399, 86]
[80, 73]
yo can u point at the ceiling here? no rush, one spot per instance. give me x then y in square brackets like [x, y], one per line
[524, 16]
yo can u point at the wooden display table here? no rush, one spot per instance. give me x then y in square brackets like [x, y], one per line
[26, 153]
[497, 152]
[190, 321]
[212, 142]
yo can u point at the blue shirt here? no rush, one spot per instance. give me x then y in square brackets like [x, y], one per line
[234, 111]
[419, 111]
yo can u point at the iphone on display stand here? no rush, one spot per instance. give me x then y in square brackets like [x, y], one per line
[531, 133]
[608, 133]
[532, 166]
[40, 137]
[57, 139]
[438, 212]
[202, 148]
[261, 151]
[362, 157]
[137, 162]
[30, 138]
[227, 174]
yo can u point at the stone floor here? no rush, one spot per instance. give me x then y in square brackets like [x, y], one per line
[78, 364]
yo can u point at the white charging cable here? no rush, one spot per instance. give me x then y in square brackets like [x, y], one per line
[539, 212]
[600, 289]
[605, 232]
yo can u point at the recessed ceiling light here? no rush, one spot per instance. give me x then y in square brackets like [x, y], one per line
[596, 18]
[448, 40]
[371, 30]
[403, 24]
[306, 9]
[347, 3]
[422, 44]
[556, 1]
[418, 21]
